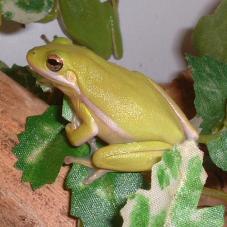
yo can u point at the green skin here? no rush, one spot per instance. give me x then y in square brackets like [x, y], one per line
[126, 109]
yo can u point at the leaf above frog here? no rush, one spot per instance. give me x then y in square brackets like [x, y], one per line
[94, 24]
[26, 11]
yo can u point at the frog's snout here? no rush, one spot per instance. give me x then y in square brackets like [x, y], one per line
[30, 55]
[30, 58]
[31, 52]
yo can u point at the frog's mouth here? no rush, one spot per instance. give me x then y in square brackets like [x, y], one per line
[56, 79]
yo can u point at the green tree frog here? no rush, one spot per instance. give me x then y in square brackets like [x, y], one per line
[124, 108]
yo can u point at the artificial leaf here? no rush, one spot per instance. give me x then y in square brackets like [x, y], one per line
[25, 11]
[210, 34]
[174, 194]
[0, 17]
[67, 111]
[218, 150]
[42, 148]
[210, 82]
[3, 65]
[52, 15]
[25, 77]
[98, 204]
[94, 24]
[116, 32]
[34, 83]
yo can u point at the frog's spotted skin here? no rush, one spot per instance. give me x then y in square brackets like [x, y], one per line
[124, 108]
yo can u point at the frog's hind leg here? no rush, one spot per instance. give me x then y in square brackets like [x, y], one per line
[130, 157]
[85, 162]
[96, 173]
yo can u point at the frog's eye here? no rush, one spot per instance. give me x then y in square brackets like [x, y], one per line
[54, 63]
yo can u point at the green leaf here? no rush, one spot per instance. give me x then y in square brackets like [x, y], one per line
[93, 24]
[98, 204]
[218, 150]
[52, 15]
[210, 34]
[3, 65]
[175, 203]
[25, 77]
[210, 82]
[34, 83]
[67, 111]
[116, 32]
[25, 11]
[42, 148]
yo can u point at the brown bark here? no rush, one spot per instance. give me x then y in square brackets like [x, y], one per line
[19, 205]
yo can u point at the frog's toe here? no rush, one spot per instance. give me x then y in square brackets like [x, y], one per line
[70, 159]
[96, 175]
[93, 145]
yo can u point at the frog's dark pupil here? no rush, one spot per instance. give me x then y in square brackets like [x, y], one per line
[54, 64]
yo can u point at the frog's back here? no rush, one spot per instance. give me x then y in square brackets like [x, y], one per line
[131, 100]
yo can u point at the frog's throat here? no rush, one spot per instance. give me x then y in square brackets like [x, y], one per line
[55, 78]
[59, 79]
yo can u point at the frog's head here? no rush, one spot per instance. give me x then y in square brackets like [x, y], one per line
[55, 62]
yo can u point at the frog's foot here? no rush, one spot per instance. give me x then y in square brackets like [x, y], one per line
[130, 157]
[70, 159]
[93, 145]
[96, 175]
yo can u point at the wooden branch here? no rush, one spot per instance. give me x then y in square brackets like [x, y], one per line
[19, 205]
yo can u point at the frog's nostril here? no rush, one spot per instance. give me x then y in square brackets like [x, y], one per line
[32, 52]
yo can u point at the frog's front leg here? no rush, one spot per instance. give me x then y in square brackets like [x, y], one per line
[86, 130]
[130, 157]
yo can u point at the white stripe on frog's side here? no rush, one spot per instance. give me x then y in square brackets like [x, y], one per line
[57, 78]
[189, 130]
[106, 120]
